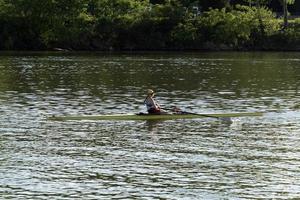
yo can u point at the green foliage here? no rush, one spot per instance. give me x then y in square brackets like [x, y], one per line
[186, 35]
[287, 39]
[138, 24]
[114, 19]
[237, 27]
[65, 23]
[289, 2]
[38, 24]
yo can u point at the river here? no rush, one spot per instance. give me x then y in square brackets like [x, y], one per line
[250, 158]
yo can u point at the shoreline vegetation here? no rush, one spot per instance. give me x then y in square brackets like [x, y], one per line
[142, 25]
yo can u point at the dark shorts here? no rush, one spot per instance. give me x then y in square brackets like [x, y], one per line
[154, 111]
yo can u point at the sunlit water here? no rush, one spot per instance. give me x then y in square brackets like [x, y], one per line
[250, 158]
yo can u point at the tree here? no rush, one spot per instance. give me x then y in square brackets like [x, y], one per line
[285, 11]
[259, 5]
[42, 24]
[208, 4]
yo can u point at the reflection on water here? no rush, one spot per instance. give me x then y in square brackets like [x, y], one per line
[252, 157]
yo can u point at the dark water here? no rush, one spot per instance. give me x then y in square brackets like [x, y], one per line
[251, 158]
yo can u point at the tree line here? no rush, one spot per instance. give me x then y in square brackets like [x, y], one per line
[149, 25]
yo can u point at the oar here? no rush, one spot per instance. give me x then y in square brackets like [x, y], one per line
[204, 115]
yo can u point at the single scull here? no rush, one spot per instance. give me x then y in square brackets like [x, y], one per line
[154, 117]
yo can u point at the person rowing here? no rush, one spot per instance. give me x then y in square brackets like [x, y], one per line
[152, 106]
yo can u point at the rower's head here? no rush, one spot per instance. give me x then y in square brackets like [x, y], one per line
[150, 92]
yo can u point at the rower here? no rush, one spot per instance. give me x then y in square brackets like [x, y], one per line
[152, 106]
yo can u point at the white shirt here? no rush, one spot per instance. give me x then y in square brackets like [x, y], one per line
[151, 103]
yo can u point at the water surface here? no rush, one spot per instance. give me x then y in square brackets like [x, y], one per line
[251, 158]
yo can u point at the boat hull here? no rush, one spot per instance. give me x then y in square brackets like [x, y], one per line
[154, 117]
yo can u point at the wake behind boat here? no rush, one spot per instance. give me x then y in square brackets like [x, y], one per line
[144, 116]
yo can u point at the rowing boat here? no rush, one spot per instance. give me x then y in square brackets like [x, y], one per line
[141, 116]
